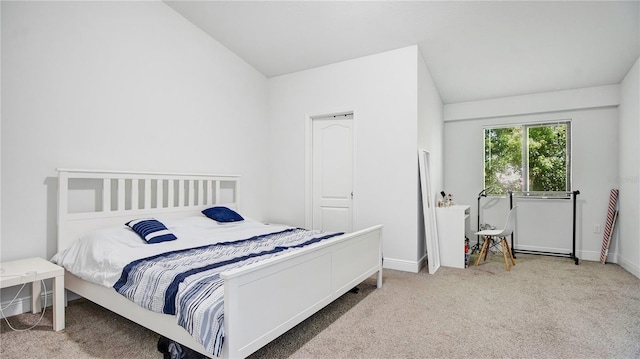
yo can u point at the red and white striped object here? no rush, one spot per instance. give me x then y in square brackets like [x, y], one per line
[612, 214]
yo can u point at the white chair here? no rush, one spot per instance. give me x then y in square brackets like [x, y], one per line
[490, 234]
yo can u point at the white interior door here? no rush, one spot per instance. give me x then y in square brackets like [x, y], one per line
[332, 173]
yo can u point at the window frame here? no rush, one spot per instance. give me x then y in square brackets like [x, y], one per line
[524, 146]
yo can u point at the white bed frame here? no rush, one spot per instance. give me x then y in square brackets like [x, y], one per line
[307, 279]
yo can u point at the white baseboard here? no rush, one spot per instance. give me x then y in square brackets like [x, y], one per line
[588, 256]
[23, 305]
[594, 256]
[422, 262]
[402, 265]
[541, 249]
[632, 268]
[582, 255]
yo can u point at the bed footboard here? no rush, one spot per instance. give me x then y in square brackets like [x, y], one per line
[265, 300]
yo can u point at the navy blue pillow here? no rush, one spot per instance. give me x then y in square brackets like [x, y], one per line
[222, 214]
[151, 230]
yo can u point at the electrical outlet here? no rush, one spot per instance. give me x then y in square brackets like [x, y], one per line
[597, 229]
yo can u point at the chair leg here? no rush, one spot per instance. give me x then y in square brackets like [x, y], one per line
[482, 250]
[489, 240]
[504, 253]
[510, 252]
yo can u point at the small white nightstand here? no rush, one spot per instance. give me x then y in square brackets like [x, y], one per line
[33, 270]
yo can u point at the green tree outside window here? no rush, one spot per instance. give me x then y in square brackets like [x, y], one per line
[527, 158]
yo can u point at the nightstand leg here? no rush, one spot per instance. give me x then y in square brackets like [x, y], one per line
[58, 303]
[36, 293]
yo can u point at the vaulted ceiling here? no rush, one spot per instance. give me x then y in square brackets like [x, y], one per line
[474, 50]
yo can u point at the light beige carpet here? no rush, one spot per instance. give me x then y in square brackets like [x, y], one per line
[543, 308]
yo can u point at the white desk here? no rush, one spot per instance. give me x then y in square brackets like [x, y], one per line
[453, 224]
[33, 270]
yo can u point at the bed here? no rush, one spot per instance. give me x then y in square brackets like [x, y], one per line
[254, 313]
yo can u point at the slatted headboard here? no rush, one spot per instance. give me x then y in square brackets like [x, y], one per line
[92, 199]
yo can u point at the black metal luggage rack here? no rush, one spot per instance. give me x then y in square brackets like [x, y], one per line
[571, 255]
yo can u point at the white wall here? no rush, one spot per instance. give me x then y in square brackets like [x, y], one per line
[0, 134]
[118, 85]
[594, 155]
[545, 102]
[382, 90]
[430, 135]
[629, 174]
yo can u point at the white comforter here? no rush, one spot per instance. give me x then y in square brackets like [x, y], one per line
[100, 256]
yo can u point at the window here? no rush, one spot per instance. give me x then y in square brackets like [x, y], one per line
[530, 158]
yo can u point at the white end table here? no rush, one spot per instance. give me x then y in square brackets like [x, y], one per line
[33, 270]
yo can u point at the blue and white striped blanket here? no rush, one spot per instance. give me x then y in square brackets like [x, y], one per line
[187, 282]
